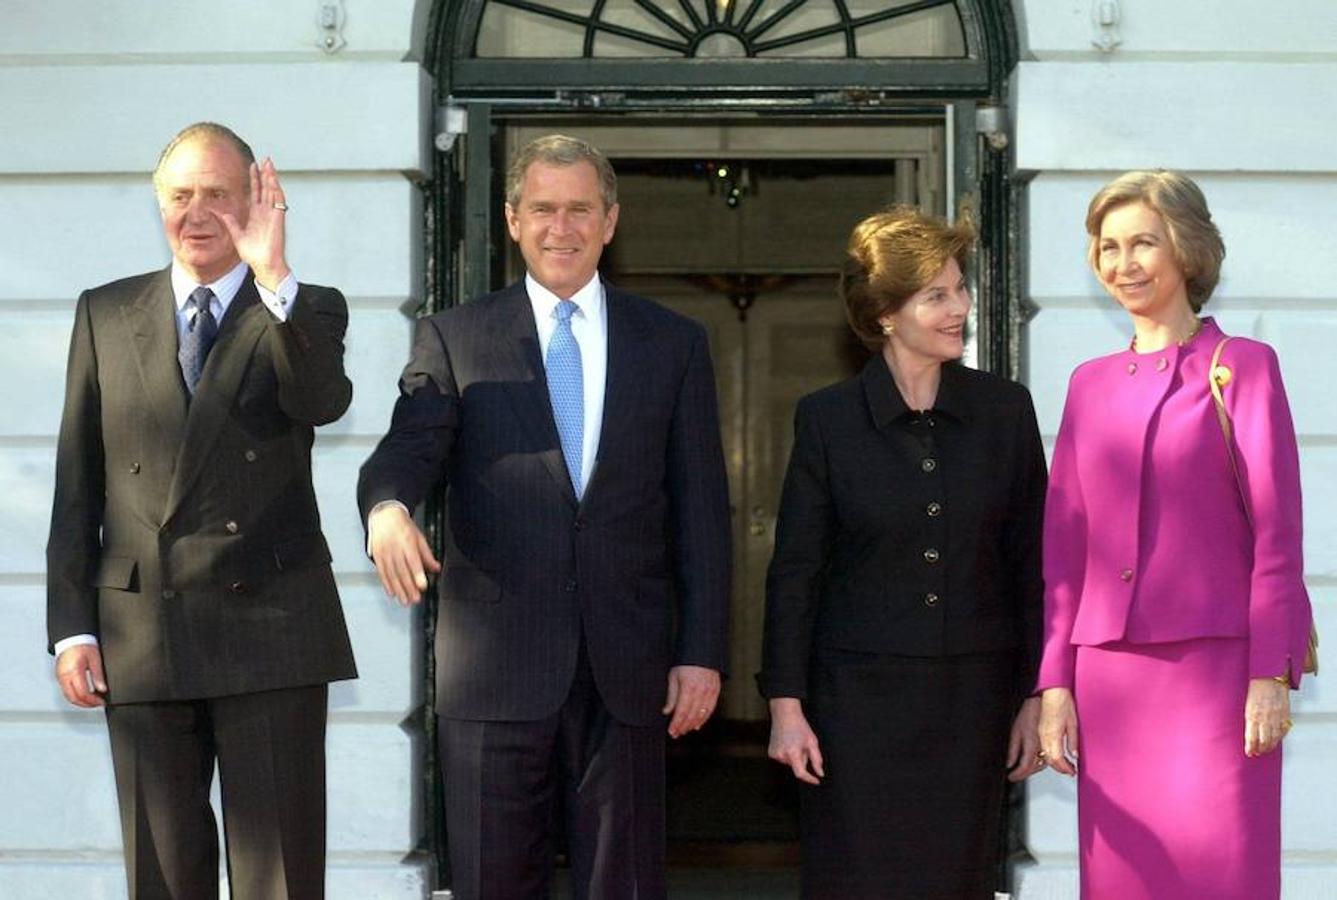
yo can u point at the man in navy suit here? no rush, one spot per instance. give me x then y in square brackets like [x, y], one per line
[584, 598]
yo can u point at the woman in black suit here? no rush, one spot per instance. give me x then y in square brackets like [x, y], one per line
[904, 598]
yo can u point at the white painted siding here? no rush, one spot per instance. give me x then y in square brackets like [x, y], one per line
[92, 92]
[1233, 93]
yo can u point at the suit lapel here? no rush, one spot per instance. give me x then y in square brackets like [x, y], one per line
[152, 321]
[228, 360]
[629, 345]
[519, 364]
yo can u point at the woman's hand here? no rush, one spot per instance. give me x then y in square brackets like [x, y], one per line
[1058, 730]
[1023, 746]
[1267, 715]
[793, 742]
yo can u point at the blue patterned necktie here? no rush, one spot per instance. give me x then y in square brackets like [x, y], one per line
[201, 329]
[566, 389]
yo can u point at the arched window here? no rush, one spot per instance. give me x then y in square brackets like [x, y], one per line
[891, 47]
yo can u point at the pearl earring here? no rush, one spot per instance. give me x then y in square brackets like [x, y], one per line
[888, 328]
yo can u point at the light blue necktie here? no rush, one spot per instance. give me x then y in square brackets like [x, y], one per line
[199, 337]
[566, 389]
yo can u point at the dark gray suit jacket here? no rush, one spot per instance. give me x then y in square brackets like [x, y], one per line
[528, 569]
[184, 532]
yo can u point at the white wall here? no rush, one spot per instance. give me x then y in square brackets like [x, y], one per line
[1234, 93]
[89, 94]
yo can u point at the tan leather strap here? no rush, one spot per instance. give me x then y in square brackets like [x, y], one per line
[1218, 376]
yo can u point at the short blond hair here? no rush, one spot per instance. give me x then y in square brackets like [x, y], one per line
[560, 150]
[1194, 238]
[893, 255]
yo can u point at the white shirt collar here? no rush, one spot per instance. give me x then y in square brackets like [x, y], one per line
[224, 288]
[589, 299]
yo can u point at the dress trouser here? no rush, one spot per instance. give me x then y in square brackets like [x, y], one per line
[270, 750]
[504, 781]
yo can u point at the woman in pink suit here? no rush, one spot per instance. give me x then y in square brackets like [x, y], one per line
[1176, 615]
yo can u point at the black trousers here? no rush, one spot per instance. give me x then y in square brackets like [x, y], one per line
[915, 757]
[505, 781]
[269, 748]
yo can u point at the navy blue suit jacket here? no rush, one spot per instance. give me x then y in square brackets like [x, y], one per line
[640, 567]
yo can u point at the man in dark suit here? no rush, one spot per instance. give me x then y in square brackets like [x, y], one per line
[574, 428]
[189, 588]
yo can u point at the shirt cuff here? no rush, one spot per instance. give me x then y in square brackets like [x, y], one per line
[382, 505]
[280, 300]
[74, 640]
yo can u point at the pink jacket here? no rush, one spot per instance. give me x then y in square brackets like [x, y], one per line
[1146, 539]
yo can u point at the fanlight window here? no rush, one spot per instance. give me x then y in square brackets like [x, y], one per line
[721, 29]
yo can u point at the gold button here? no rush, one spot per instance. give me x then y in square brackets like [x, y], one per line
[1126, 575]
[931, 555]
[1132, 368]
[928, 464]
[930, 599]
[1162, 364]
[934, 508]
[232, 527]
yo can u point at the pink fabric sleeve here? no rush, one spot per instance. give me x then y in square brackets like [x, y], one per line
[1269, 466]
[1065, 536]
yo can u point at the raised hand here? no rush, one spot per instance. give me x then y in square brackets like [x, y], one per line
[259, 240]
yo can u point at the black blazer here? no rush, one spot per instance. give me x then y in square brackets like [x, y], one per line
[528, 570]
[907, 533]
[184, 532]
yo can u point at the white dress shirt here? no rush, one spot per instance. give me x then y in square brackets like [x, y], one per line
[278, 302]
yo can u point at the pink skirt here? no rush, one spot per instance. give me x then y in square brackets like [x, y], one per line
[1168, 804]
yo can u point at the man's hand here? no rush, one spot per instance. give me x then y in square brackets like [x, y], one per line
[693, 692]
[401, 553]
[259, 240]
[75, 669]
[793, 741]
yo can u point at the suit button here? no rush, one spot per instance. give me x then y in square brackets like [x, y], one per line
[134, 468]
[928, 464]
[238, 587]
[1162, 364]
[231, 527]
[1126, 575]
[1132, 368]
[580, 523]
[570, 586]
[930, 599]
[934, 508]
[250, 456]
[169, 595]
[931, 555]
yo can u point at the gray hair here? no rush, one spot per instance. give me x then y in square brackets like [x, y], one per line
[560, 150]
[205, 130]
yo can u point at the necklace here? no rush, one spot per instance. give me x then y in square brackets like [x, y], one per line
[1192, 333]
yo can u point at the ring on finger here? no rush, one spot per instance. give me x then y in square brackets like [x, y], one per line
[281, 206]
